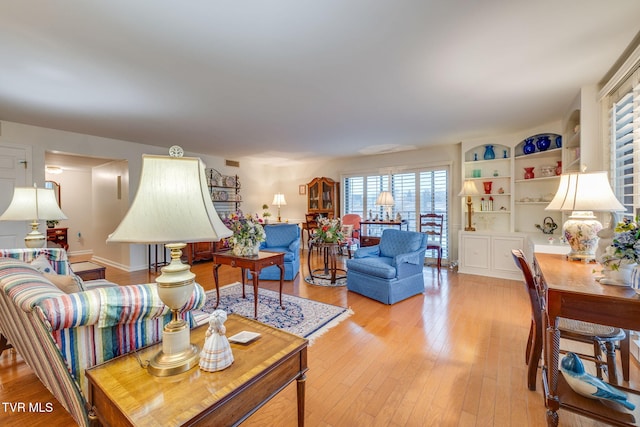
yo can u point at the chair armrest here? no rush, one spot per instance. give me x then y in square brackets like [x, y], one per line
[415, 257]
[408, 263]
[367, 252]
[110, 306]
[295, 246]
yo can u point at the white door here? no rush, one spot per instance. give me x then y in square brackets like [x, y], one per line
[15, 171]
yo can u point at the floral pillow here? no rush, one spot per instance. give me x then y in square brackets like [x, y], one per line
[41, 263]
[347, 230]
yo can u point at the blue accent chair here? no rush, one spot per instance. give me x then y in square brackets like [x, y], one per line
[390, 271]
[282, 238]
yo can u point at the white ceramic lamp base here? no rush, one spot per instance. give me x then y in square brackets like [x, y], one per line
[581, 232]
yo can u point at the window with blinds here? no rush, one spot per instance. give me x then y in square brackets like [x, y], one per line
[413, 193]
[625, 144]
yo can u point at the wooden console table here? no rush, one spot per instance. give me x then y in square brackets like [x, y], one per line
[368, 240]
[573, 293]
[123, 393]
[254, 264]
[58, 236]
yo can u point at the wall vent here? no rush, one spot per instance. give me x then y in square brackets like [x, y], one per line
[234, 163]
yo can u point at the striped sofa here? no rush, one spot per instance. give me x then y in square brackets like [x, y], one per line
[59, 335]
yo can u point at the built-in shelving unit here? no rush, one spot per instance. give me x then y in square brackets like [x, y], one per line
[492, 207]
[225, 192]
[572, 155]
[519, 202]
[533, 194]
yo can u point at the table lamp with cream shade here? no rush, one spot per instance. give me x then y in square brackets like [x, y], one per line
[385, 199]
[172, 206]
[469, 189]
[582, 194]
[34, 204]
[279, 200]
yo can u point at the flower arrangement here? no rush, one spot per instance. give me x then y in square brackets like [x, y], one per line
[328, 231]
[625, 248]
[247, 233]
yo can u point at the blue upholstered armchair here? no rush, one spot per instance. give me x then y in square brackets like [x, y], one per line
[282, 238]
[390, 271]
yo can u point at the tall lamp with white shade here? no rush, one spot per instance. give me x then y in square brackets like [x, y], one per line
[385, 199]
[279, 200]
[582, 194]
[34, 204]
[469, 189]
[172, 206]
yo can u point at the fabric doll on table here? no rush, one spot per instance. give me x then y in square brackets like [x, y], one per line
[216, 354]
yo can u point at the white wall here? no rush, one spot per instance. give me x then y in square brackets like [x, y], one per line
[74, 183]
[259, 181]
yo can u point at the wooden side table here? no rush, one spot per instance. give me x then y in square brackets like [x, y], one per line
[58, 236]
[122, 393]
[254, 264]
[330, 269]
[87, 270]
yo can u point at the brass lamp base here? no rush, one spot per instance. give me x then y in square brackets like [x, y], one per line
[165, 365]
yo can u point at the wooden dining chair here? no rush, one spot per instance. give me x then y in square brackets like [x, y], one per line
[431, 224]
[603, 338]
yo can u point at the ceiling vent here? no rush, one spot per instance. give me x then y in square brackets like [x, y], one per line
[234, 163]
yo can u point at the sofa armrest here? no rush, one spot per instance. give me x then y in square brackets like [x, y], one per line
[367, 252]
[109, 306]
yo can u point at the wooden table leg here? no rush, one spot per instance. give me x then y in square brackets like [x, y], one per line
[625, 345]
[334, 265]
[255, 293]
[281, 267]
[4, 344]
[215, 277]
[243, 273]
[300, 383]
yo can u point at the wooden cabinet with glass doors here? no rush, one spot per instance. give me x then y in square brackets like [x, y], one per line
[323, 197]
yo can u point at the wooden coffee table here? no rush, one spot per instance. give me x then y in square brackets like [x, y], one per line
[254, 264]
[123, 393]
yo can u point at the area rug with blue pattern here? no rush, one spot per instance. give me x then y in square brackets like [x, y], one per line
[303, 317]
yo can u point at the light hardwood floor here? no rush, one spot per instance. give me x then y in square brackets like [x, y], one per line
[453, 356]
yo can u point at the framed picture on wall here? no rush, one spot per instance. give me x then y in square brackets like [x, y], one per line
[302, 189]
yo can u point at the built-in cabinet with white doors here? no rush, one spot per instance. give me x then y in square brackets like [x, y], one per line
[516, 177]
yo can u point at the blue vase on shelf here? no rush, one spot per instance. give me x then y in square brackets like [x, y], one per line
[529, 147]
[543, 143]
[504, 154]
[559, 141]
[488, 152]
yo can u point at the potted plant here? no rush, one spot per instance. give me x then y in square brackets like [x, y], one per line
[51, 223]
[265, 214]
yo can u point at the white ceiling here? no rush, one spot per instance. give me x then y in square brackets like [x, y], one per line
[299, 78]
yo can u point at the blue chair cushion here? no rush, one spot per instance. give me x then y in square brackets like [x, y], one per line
[378, 267]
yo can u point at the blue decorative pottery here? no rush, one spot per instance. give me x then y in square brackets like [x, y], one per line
[504, 154]
[543, 142]
[488, 152]
[529, 147]
[559, 141]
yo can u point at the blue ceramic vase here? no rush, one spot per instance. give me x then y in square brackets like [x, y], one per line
[529, 147]
[559, 141]
[488, 152]
[543, 143]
